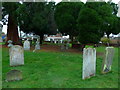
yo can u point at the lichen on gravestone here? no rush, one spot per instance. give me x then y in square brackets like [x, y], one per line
[16, 55]
[108, 59]
[14, 75]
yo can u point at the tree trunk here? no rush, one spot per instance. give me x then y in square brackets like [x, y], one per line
[12, 31]
[41, 38]
[107, 35]
[71, 37]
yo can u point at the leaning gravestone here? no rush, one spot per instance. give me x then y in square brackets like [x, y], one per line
[14, 75]
[37, 46]
[89, 62]
[26, 45]
[16, 55]
[109, 54]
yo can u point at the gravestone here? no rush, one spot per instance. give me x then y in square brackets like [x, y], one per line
[14, 75]
[55, 41]
[89, 62]
[1, 39]
[67, 45]
[37, 46]
[16, 55]
[109, 55]
[10, 43]
[63, 46]
[51, 40]
[26, 45]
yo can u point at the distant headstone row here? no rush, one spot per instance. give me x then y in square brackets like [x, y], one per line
[27, 45]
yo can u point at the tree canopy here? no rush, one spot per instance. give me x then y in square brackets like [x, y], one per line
[87, 21]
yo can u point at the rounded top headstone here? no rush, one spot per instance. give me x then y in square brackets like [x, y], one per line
[10, 41]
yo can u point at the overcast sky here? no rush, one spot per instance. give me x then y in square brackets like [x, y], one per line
[115, 1]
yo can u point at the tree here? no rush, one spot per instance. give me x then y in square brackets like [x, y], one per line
[10, 8]
[66, 14]
[89, 26]
[40, 18]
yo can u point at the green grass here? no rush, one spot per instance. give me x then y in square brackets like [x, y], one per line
[0, 68]
[2, 43]
[58, 70]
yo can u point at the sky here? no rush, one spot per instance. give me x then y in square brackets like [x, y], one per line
[5, 26]
[115, 1]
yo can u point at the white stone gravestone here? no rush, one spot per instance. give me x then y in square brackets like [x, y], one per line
[16, 55]
[89, 63]
[107, 63]
[26, 45]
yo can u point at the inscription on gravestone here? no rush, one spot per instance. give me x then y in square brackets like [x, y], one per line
[14, 75]
[109, 54]
[89, 62]
[16, 55]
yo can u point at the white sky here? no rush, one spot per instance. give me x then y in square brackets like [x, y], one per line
[115, 1]
[5, 26]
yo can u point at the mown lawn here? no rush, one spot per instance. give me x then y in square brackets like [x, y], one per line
[58, 70]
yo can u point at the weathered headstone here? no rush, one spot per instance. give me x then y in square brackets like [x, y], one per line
[37, 46]
[55, 41]
[1, 39]
[10, 43]
[63, 46]
[109, 55]
[16, 55]
[26, 45]
[89, 62]
[51, 40]
[67, 45]
[14, 75]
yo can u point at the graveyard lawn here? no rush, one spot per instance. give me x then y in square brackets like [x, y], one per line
[46, 69]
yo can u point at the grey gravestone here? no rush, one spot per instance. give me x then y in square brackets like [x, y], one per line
[51, 40]
[89, 62]
[14, 75]
[1, 39]
[37, 46]
[26, 45]
[63, 46]
[109, 55]
[10, 43]
[67, 45]
[16, 55]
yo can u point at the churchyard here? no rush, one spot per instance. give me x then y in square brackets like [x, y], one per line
[56, 69]
[59, 44]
